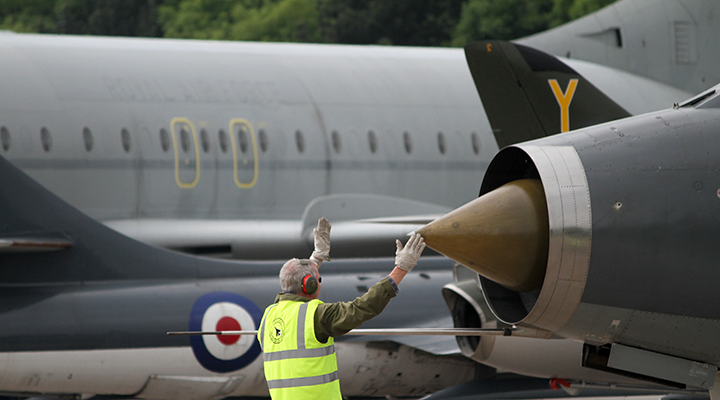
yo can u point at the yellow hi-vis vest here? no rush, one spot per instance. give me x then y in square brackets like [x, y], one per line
[297, 365]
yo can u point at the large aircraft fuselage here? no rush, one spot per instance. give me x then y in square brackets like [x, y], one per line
[161, 129]
[145, 128]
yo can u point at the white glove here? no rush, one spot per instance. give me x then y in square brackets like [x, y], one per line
[406, 258]
[322, 240]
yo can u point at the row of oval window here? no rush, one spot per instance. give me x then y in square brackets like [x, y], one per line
[185, 142]
[223, 139]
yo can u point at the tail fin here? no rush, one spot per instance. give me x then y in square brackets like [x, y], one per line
[528, 94]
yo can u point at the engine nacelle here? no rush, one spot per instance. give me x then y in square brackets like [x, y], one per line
[633, 214]
[633, 210]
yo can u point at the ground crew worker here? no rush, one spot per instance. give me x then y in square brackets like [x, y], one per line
[296, 333]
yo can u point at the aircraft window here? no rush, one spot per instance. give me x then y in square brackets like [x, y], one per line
[205, 140]
[88, 139]
[372, 141]
[184, 140]
[337, 145]
[46, 139]
[223, 139]
[408, 142]
[164, 140]
[299, 141]
[262, 137]
[475, 142]
[243, 138]
[125, 140]
[5, 138]
[441, 143]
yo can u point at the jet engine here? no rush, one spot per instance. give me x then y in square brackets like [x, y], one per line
[607, 235]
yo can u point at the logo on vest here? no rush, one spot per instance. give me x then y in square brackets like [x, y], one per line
[278, 332]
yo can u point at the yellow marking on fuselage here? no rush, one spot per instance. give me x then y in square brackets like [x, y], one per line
[175, 140]
[240, 121]
[564, 100]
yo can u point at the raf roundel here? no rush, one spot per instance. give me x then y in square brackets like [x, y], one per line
[224, 311]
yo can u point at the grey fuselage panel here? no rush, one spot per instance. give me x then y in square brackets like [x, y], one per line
[317, 120]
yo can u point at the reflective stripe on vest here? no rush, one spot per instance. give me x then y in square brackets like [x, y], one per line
[305, 365]
[295, 382]
[288, 354]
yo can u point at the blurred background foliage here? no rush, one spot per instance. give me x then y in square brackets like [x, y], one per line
[389, 22]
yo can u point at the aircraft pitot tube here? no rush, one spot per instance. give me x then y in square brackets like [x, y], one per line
[643, 193]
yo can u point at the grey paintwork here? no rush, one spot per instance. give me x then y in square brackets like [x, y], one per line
[127, 315]
[655, 218]
[66, 84]
[654, 186]
[112, 295]
[108, 291]
[672, 41]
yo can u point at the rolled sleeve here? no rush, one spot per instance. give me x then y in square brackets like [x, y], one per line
[394, 285]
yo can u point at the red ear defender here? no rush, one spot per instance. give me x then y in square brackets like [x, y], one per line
[309, 284]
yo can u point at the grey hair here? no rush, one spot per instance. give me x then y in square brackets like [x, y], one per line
[293, 272]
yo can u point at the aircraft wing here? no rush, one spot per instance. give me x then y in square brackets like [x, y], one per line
[362, 226]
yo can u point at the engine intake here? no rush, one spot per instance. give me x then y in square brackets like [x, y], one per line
[469, 310]
[527, 235]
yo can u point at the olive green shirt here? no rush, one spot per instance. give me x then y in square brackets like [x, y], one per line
[337, 319]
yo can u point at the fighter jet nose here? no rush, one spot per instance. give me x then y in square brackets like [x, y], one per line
[502, 235]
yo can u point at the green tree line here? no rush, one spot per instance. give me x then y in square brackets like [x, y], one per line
[398, 22]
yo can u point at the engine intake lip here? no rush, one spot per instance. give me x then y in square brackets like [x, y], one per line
[570, 223]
